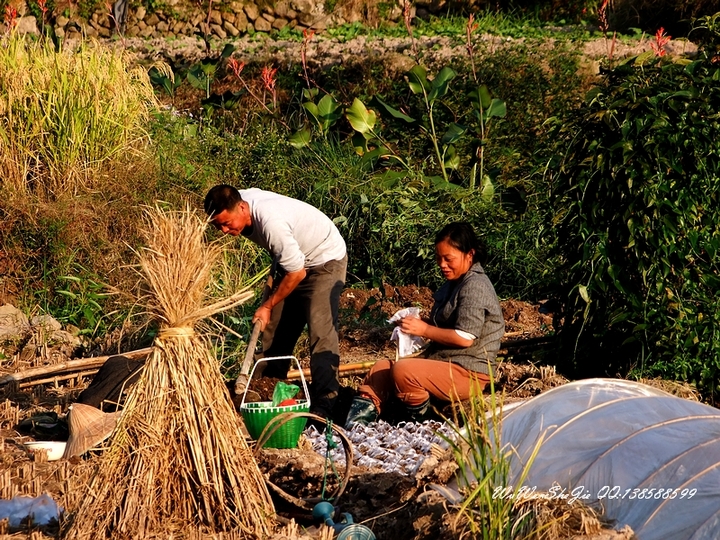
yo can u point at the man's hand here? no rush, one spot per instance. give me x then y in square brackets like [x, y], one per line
[263, 315]
[287, 285]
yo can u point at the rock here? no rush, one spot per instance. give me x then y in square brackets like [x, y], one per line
[282, 7]
[268, 9]
[302, 6]
[152, 20]
[13, 322]
[60, 32]
[61, 21]
[262, 25]
[27, 25]
[162, 27]
[215, 17]
[241, 21]
[252, 11]
[140, 13]
[197, 19]
[178, 27]
[146, 32]
[279, 24]
[141, 27]
[218, 31]
[230, 29]
[89, 31]
[46, 322]
[269, 18]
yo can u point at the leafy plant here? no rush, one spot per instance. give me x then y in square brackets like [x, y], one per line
[635, 204]
[83, 303]
[202, 74]
[323, 114]
[372, 146]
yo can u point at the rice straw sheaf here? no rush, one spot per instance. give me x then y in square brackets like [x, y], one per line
[177, 465]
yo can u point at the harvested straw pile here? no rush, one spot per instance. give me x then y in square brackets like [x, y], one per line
[177, 465]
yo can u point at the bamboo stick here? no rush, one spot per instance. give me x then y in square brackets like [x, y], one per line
[69, 366]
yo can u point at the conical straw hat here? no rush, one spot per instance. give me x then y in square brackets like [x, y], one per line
[88, 427]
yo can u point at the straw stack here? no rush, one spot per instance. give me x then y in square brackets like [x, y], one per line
[177, 464]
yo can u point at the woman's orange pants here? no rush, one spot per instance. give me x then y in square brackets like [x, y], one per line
[414, 380]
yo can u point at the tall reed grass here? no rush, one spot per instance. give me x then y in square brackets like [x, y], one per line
[484, 471]
[65, 113]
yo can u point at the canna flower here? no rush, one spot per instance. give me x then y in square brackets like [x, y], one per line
[42, 4]
[602, 16]
[268, 78]
[236, 66]
[11, 17]
[660, 41]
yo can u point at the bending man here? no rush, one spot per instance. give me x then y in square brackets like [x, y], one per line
[309, 266]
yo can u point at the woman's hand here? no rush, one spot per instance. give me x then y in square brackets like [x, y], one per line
[443, 336]
[414, 326]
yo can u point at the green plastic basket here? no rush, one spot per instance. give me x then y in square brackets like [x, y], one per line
[259, 414]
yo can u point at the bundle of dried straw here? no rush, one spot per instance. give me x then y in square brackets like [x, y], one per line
[177, 464]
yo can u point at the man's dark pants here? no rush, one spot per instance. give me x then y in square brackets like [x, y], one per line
[314, 302]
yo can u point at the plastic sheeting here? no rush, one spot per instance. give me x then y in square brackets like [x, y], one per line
[650, 459]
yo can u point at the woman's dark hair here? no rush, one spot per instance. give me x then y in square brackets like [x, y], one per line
[461, 235]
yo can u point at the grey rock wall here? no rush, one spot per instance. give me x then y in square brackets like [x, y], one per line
[226, 19]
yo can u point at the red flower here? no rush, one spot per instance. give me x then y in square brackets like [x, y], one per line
[660, 41]
[268, 78]
[236, 66]
[11, 17]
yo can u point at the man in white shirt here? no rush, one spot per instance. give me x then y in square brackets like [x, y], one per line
[309, 262]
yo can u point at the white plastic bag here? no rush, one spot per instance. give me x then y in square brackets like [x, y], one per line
[407, 344]
[41, 509]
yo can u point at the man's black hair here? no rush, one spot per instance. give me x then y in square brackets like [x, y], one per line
[221, 197]
[461, 235]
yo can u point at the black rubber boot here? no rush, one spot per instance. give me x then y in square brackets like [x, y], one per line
[362, 411]
[419, 413]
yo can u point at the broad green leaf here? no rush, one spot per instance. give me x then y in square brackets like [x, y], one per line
[310, 93]
[312, 109]
[372, 156]
[487, 190]
[417, 80]
[454, 132]
[445, 76]
[359, 142]
[484, 97]
[451, 159]
[392, 111]
[582, 289]
[361, 119]
[301, 137]
[644, 58]
[196, 78]
[496, 109]
[440, 84]
[227, 50]
[327, 106]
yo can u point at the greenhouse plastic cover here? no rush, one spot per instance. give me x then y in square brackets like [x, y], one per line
[604, 441]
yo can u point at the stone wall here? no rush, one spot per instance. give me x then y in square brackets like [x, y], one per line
[227, 19]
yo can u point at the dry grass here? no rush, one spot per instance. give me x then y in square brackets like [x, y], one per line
[177, 464]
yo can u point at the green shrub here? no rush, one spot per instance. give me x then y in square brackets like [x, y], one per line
[637, 218]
